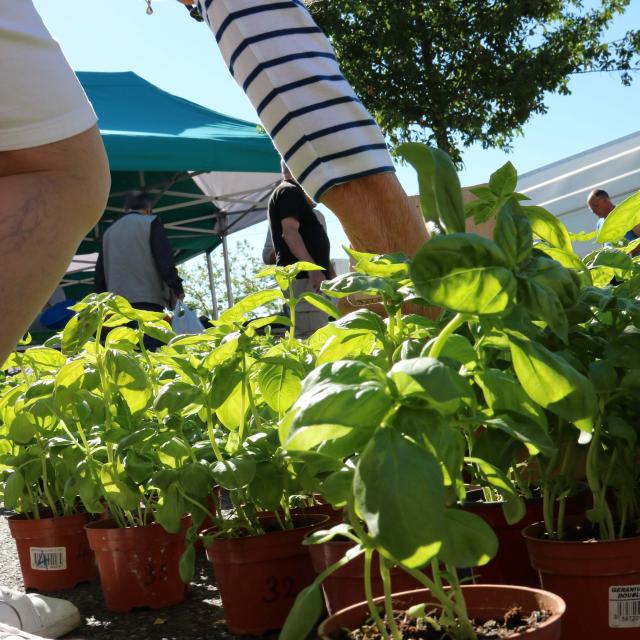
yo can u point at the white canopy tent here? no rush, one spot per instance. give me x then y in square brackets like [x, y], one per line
[562, 187]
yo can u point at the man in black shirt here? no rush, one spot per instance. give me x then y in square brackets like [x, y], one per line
[297, 236]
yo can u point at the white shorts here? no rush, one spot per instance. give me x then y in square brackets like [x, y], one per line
[41, 100]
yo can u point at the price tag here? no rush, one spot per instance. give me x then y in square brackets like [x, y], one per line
[48, 558]
[624, 606]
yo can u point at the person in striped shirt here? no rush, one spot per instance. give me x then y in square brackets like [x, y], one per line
[332, 145]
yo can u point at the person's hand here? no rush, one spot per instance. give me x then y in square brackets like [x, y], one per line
[316, 278]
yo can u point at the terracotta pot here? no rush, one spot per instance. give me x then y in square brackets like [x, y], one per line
[600, 582]
[511, 564]
[345, 586]
[483, 602]
[259, 577]
[138, 565]
[54, 553]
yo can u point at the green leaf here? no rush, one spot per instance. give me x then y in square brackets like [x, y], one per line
[22, 428]
[250, 303]
[363, 319]
[139, 465]
[187, 565]
[430, 379]
[268, 486]
[553, 383]
[304, 614]
[392, 265]
[196, 480]
[70, 375]
[130, 379]
[360, 406]
[234, 473]
[623, 218]
[159, 330]
[525, 430]
[280, 385]
[470, 541]
[569, 260]
[349, 283]
[503, 181]
[321, 303]
[79, 330]
[177, 397]
[13, 488]
[233, 410]
[43, 359]
[399, 492]
[122, 337]
[170, 510]
[513, 234]
[547, 227]
[543, 304]
[456, 348]
[465, 273]
[331, 343]
[440, 192]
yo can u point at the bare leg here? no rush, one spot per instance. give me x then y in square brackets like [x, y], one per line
[50, 197]
[376, 215]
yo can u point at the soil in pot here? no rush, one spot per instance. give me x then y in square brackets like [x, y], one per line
[599, 580]
[495, 608]
[139, 566]
[54, 553]
[511, 563]
[345, 586]
[259, 577]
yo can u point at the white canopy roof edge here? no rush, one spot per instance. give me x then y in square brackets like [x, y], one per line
[563, 186]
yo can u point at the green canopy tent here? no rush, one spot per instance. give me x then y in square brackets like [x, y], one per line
[209, 174]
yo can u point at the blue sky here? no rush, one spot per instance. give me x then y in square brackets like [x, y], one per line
[179, 55]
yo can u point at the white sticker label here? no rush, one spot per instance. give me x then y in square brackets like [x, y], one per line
[624, 606]
[48, 558]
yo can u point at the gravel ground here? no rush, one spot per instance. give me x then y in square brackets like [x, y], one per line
[200, 617]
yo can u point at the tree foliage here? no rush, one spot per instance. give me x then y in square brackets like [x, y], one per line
[461, 72]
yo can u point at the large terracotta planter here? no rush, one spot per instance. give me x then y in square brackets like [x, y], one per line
[511, 563]
[54, 553]
[483, 602]
[345, 586]
[259, 577]
[599, 581]
[139, 566]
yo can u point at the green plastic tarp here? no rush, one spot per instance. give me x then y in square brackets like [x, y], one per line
[160, 141]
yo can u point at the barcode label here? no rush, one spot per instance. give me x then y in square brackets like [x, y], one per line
[48, 558]
[624, 606]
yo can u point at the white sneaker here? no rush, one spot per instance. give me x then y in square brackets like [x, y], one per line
[37, 614]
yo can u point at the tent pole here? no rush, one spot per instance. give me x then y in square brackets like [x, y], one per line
[227, 270]
[212, 287]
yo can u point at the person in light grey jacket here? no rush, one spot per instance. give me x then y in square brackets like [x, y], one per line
[136, 260]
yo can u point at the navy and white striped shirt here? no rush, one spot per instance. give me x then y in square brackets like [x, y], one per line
[287, 68]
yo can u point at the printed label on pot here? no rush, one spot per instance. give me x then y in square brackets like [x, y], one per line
[624, 606]
[48, 558]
